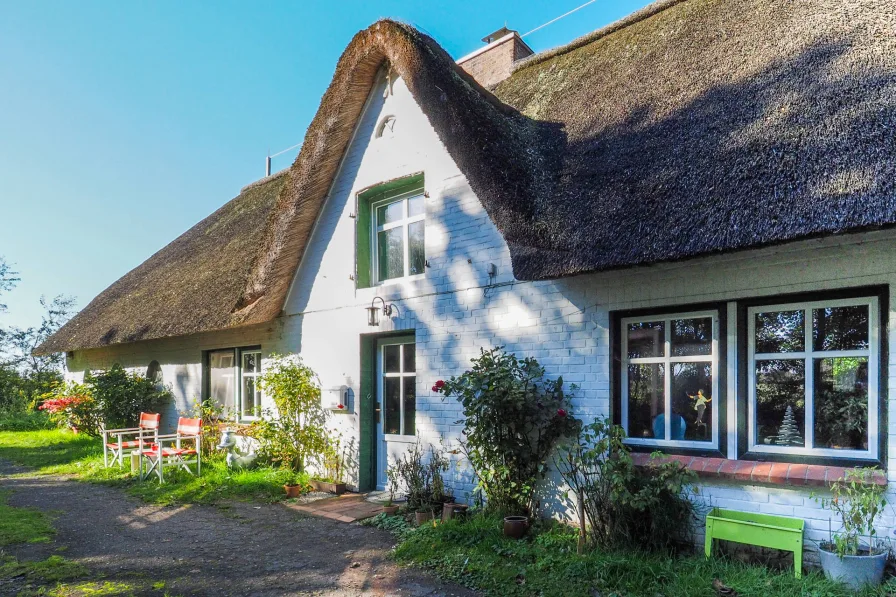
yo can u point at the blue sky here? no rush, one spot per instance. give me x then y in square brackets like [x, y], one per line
[122, 124]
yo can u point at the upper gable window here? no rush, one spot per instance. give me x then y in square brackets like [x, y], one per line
[398, 237]
[390, 229]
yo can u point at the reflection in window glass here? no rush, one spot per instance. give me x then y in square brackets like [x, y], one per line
[416, 250]
[416, 207]
[840, 328]
[841, 403]
[691, 337]
[221, 375]
[692, 401]
[392, 391]
[410, 358]
[646, 339]
[386, 214]
[780, 331]
[392, 358]
[781, 402]
[646, 401]
[390, 253]
[410, 405]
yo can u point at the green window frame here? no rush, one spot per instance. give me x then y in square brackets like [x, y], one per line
[392, 212]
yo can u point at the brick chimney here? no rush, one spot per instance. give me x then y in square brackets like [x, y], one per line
[492, 64]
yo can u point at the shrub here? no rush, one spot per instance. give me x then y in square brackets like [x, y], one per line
[122, 396]
[211, 414]
[513, 418]
[422, 480]
[25, 420]
[620, 504]
[296, 433]
[333, 460]
[73, 406]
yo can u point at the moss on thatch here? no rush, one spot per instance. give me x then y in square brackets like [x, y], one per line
[692, 127]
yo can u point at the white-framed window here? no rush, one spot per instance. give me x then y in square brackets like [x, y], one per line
[233, 381]
[398, 388]
[812, 378]
[398, 237]
[669, 379]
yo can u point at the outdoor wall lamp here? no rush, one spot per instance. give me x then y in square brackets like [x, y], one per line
[373, 312]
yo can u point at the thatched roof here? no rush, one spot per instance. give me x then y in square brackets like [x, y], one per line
[705, 126]
[191, 285]
[691, 127]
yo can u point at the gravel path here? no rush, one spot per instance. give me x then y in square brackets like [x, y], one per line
[240, 549]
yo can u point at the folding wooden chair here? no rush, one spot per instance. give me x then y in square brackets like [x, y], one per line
[146, 432]
[179, 456]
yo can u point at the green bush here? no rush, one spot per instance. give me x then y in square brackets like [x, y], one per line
[122, 396]
[623, 505]
[513, 418]
[25, 420]
[295, 434]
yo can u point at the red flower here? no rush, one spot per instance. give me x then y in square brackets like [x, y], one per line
[438, 387]
[561, 412]
[340, 406]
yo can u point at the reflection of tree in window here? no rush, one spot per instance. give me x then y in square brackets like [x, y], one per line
[646, 398]
[779, 383]
[692, 398]
[780, 331]
[841, 403]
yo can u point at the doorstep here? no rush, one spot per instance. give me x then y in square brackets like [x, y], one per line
[749, 471]
[349, 507]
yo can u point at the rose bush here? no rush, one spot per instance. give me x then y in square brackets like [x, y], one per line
[513, 418]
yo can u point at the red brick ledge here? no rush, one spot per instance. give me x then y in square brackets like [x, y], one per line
[774, 473]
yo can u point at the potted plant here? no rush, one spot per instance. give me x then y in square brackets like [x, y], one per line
[293, 486]
[392, 475]
[844, 557]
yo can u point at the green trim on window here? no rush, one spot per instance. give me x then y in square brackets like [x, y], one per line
[363, 224]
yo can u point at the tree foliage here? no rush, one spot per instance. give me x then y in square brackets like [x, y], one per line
[513, 419]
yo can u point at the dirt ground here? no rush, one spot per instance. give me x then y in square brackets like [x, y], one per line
[240, 549]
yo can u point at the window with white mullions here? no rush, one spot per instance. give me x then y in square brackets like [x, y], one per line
[399, 388]
[398, 237]
[669, 379]
[813, 378]
[232, 376]
[250, 393]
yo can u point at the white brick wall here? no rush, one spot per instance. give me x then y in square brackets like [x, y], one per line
[563, 323]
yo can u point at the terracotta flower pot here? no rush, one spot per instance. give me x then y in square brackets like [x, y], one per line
[515, 526]
[390, 510]
[292, 491]
[450, 509]
[422, 517]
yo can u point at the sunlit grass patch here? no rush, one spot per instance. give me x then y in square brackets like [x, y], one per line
[62, 452]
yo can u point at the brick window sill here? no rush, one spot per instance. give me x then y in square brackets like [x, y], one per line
[748, 471]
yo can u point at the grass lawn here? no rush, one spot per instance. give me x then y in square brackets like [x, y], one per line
[62, 452]
[475, 553]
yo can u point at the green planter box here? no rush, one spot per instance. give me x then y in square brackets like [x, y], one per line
[763, 530]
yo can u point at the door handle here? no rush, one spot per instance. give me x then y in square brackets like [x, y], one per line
[376, 409]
